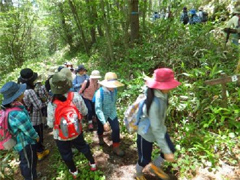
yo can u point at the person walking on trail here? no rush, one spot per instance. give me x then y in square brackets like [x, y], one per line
[105, 106]
[21, 127]
[184, 16]
[155, 110]
[81, 76]
[60, 84]
[194, 19]
[89, 87]
[234, 23]
[34, 106]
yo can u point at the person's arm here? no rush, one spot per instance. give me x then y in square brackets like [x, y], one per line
[99, 107]
[50, 115]
[75, 82]
[80, 104]
[158, 127]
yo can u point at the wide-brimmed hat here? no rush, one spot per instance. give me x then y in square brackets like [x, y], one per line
[12, 91]
[80, 68]
[110, 81]
[67, 72]
[27, 75]
[95, 74]
[163, 79]
[236, 10]
[60, 83]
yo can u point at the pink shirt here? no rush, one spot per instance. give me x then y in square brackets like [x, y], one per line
[89, 92]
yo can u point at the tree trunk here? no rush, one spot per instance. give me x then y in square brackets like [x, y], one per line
[144, 12]
[108, 32]
[67, 35]
[91, 22]
[134, 21]
[79, 26]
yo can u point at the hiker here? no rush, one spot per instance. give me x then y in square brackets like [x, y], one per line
[81, 76]
[105, 106]
[34, 106]
[155, 16]
[43, 94]
[21, 127]
[194, 19]
[154, 111]
[89, 87]
[202, 15]
[60, 84]
[234, 23]
[184, 16]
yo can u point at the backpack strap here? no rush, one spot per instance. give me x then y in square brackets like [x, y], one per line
[140, 111]
[70, 96]
[87, 85]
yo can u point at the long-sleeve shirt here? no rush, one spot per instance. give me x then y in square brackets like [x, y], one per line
[34, 104]
[21, 126]
[77, 101]
[88, 92]
[105, 106]
[78, 80]
[157, 115]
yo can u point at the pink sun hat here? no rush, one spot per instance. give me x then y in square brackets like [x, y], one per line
[163, 79]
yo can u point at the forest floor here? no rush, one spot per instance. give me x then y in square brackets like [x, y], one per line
[117, 168]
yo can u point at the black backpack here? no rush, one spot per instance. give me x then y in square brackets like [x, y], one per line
[185, 18]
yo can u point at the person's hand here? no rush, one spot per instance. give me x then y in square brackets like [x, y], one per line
[37, 139]
[169, 157]
[106, 127]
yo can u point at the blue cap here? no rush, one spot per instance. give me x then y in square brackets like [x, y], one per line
[192, 11]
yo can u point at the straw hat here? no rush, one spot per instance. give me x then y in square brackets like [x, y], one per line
[95, 74]
[110, 81]
[12, 91]
[163, 79]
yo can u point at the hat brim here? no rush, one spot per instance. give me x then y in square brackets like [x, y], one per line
[20, 91]
[111, 84]
[33, 78]
[151, 83]
[95, 77]
[62, 90]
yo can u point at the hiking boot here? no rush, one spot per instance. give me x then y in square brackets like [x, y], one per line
[74, 174]
[101, 141]
[90, 127]
[158, 172]
[94, 118]
[118, 151]
[93, 167]
[140, 177]
[42, 155]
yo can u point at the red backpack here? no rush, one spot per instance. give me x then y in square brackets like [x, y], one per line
[7, 141]
[67, 118]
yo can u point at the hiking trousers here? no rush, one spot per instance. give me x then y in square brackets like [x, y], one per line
[115, 129]
[145, 149]
[65, 149]
[28, 162]
[90, 107]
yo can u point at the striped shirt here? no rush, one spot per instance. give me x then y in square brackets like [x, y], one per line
[79, 103]
[21, 127]
[106, 108]
[34, 104]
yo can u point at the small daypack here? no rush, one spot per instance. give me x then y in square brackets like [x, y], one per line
[7, 141]
[67, 118]
[133, 113]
